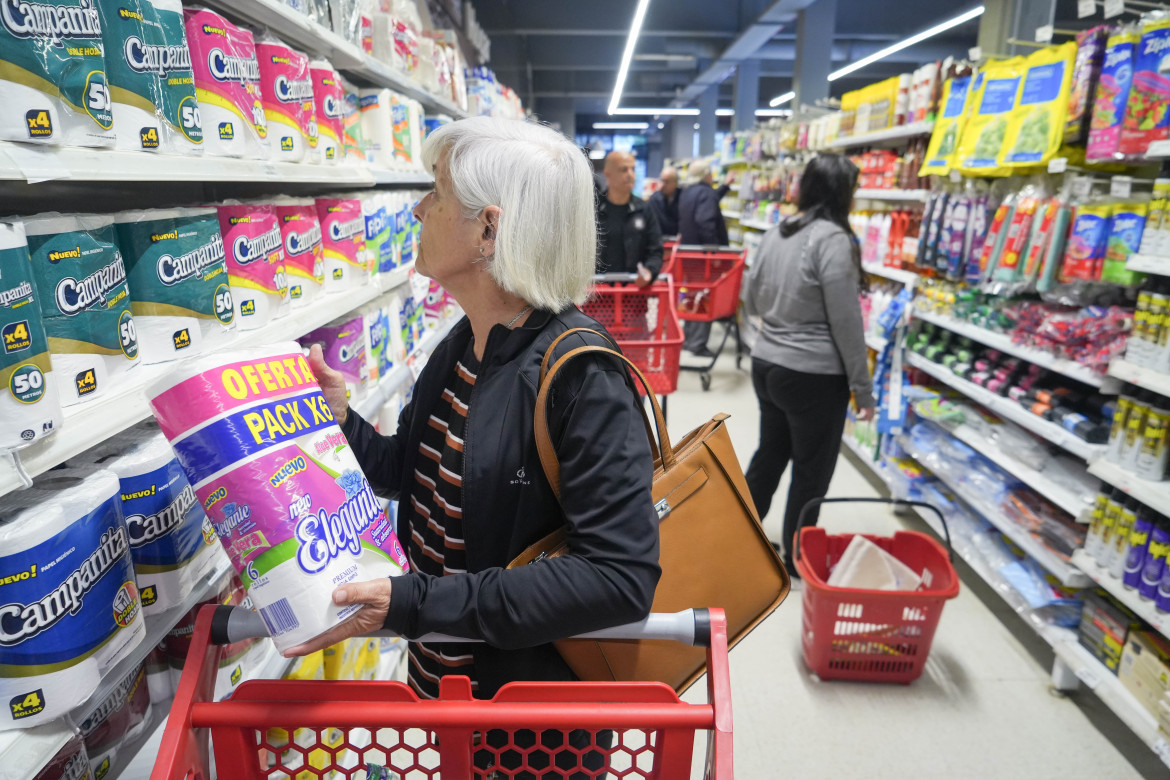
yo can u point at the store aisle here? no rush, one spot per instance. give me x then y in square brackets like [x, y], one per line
[982, 709]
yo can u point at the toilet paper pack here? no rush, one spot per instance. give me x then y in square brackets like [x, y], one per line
[85, 302]
[354, 140]
[343, 235]
[329, 106]
[379, 232]
[71, 762]
[280, 483]
[253, 246]
[377, 112]
[343, 344]
[69, 604]
[30, 408]
[178, 279]
[286, 87]
[304, 255]
[53, 74]
[119, 718]
[227, 86]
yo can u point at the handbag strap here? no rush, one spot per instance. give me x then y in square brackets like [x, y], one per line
[544, 445]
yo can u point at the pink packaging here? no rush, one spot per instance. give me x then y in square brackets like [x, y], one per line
[286, 87]
[343, 234]
[304, 267]
[329, 102]
[253, 246]
[343, 345]
[227, 86]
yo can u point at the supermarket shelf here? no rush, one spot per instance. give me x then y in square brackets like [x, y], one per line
[1155, 495]
[1158, 150]
[1069, 575]
[26, 162]
[1158, 381]
[125, 402]
[25, 751]
[1003, 343]
[418, 178]
[891, 137]
[756, 224]
[1066, 499]
[1149, 264]
[400, 375]
[876, 343]
[300, 31]
[733, 215]
[1143, 608]
[1009, 410]
[893, 274]
[867, 459]
[913, 196]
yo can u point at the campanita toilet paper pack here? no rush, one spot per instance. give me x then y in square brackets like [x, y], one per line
[227, 86]
[69, 605]
[286, 87]
[304, 254]
[253, 247]
[53, 85]
[343, 233]
[329, 104]
[179, 288]
[30, 408]
[280, 483]
[85, 302]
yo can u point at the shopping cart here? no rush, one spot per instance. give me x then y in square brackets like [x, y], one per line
[643, 322]
[708, 279]
[871, 635]
[312, 730]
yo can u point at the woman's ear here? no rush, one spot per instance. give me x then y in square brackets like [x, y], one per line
[491, 222]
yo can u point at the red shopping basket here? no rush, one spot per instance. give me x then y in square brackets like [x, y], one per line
[644, 324]
[312, 730]
[871, 635]
[708, 280]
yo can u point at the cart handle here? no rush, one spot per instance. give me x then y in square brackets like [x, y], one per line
[897, 502]
[232, 624]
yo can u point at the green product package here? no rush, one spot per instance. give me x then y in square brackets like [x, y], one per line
[53, 74]
[151, 81]
[996, 88]
[1125, 238]
[1036, 125]
[944, 141]
[29, 406]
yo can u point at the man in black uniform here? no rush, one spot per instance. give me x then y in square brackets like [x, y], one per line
[629, 239]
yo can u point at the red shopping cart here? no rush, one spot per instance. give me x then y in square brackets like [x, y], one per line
[312, 730]
[871, 635]
[708, 279]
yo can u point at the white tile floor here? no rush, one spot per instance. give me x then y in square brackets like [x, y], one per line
[981, 710]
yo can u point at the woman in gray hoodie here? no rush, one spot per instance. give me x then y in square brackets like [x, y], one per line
[810, 354]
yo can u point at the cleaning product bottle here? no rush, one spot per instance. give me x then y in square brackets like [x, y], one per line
[1121, 412]
[1093, 535]
[1120, 542]
[1155, 564]
[1108, 523]
[1135, 425]
[1152, 455]
[1139, 542]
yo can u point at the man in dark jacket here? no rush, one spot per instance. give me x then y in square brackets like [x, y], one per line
[665, 201]
[629, 239]
[701, 222]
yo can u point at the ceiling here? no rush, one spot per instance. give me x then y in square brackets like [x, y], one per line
[563, 57]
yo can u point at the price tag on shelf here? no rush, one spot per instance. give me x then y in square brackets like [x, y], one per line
[1114, 8]
[1058, 165]
[1086, 8]
[1121, 186]
[1082, 186]
[1087, 677]
[1044, 34]
[975, 53]
[956, 176]
[269, 170]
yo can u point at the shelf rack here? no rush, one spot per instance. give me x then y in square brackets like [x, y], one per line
[906, 196]
[1155, 495]
[892, 137]
[893, 274]
[1148, 378]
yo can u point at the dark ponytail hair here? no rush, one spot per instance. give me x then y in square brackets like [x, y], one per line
[826, 192]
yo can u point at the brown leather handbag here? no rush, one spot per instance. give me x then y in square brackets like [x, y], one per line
[712, 549]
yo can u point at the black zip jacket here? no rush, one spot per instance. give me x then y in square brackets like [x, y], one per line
[699, 219]
[606, 470]
[643, 237]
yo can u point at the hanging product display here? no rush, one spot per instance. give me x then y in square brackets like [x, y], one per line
[1109, 105]
[1036, 125]
[1147, 109]
[1091, 45]
[948, 128]
[995, 91]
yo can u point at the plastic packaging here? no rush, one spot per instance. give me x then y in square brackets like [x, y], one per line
[982, 142]
[1036, 126]
[1112, 94]
[1091, 45]
[1147, 117]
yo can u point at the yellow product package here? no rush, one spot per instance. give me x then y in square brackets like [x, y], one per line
[341, 659]
[861, 124]
[309, 667]
[849, 103]
[882, 98]
[994, 97]
[948, 128]
[1036, 126]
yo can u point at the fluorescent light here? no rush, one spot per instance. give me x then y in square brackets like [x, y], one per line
[725, 112]
[628, 54]
[913, 39]
[773, 112]
[596, 154]
[620, 125]
[780, 100]
[655, 111]
[661, 125]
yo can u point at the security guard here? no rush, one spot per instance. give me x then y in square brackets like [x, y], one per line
[629, 238]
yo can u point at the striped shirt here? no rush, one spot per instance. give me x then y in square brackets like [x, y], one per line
[436, 538]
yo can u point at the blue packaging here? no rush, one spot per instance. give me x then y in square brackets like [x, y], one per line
[1155, 562]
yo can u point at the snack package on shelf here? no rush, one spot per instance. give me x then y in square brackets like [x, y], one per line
[996, 89]
[1035, 128]
[948, 128]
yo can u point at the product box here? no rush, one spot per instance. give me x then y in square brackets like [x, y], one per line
[1145, 668]
[1105, 626]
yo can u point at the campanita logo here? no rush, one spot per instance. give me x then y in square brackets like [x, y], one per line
[172, 270]
[149, 58]
[74, 296]
[55, 22]
[331, 107]
[293, 91]
[300, 243]
[225, 67]
[246, 249]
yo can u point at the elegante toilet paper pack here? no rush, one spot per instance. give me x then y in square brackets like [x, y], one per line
[85, 302]
[179, 291]
[280, 483]
[304, 255]
[53, 85]
[227, 86]
[329, 105]
[30, 408]
[254, 249]
[69, 604]
[286, 87]
[343, 234]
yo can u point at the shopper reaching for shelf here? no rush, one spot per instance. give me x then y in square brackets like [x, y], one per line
[810, 352]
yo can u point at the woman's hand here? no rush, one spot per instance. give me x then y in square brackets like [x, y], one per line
[374, 594]
[332, 384]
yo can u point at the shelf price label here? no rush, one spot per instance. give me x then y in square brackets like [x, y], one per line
[1044, 34]
[1082, 186]
[1087, 677]
[1058, 165]
[1114, 8]
[1086, 8]
[975, 53]
[1121, 186]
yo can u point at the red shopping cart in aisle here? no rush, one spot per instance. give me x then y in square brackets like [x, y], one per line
[644, 324]
[708, 279]
[313, 730]
[871, 635]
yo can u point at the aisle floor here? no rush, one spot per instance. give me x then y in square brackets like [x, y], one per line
[982, 709]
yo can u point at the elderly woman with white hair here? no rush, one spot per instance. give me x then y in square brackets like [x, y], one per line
[509, 231]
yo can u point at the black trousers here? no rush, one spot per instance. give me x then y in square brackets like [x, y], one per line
[802, 417]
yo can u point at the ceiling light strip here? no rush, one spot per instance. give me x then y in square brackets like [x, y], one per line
[628, 54]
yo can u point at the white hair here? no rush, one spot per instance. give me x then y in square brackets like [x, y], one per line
[698, 171]
[545, 245]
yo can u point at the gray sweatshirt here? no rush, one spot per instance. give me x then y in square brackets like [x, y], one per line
[805, 288]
